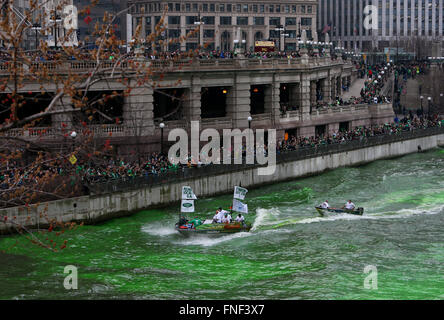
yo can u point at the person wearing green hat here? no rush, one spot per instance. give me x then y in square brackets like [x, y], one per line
[196, 222]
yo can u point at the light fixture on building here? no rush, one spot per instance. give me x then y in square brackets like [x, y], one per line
[255, 90]
[224, 91]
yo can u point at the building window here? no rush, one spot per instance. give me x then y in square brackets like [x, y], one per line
[228, 7]
[225, 20]
[278, 8]
[173, 33]
[259, 21]
[208, 20]
[208, 33]
[238, 8]
[309, 9]
[274, 34]
[302, 9]
[245, 8]
[188, 7]
[190, 19]
[174, 20]
[195, 7]
[222, 8]
[261, 8]
[205, 7]
[254, 7]
[271, 8]
[212, 7]
[290, 21]
[275, 21]
[242, 21]
[306, 21]
[177, 7]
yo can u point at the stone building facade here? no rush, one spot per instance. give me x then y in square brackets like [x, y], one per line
[226, 24]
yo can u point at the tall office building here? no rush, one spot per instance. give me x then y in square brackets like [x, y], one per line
[401, 23]
[88, 21]
[227, 23]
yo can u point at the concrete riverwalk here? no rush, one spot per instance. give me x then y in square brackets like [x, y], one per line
[103, 206]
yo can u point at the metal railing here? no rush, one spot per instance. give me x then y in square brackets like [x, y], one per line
[131, 183]
[171, 65]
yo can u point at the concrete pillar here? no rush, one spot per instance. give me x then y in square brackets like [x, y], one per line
[138, 112]
[326, 90]
[332, 128]
[183, 33]
[295, 95]
[312, 93]
[305, 97]
[238, 101]
[271, 100]
[339, 86]
[333, 87]
[192, 105]
[64, 103]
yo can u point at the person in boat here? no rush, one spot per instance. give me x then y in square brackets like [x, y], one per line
[218, 216]
[240, 218]
[182, 221]
[349, 205]
[325, 205]
[226, 218]
[196, 222]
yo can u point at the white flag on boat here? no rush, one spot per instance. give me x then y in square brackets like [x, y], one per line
[188, 194]
[187, 206]
[238, 206]
[239, 192]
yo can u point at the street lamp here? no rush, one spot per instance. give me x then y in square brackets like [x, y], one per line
[279, 28]
[422, 109]
[161, 126]
[430, 103]
[56, 20]
[249, 121]
[244, 47]
[73, 136]
[199, 23]
[36, 27]
[235, 42]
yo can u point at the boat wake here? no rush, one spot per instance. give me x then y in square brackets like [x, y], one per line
[159, 230]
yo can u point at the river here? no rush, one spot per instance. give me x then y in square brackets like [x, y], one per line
[291, 253]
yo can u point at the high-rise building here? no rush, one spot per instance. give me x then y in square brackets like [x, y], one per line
[401, 23]
[97, 11]
[225, 24]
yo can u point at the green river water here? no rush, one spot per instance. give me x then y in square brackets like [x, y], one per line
[291, 253]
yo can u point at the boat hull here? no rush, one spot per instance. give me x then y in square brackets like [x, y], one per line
[328, 211]
[215, 229]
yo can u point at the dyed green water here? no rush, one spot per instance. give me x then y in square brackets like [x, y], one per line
[291, 254]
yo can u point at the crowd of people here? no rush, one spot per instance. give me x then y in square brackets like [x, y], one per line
[230, 54]
[157, 164]
[293, 143]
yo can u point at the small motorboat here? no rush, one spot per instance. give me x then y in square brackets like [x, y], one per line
[324, 211]
[208, 227]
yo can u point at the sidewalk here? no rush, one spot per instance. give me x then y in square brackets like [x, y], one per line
[355, 89]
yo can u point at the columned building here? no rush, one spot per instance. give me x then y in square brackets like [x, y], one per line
[225, 24]
[401, 23]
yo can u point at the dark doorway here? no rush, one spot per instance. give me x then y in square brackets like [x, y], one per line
[33, 102]
[320, 130]
[344, 126]
[257, 99]
[213, 102]
[168, 103]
